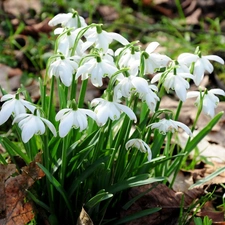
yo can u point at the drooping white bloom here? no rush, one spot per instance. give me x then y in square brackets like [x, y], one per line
[210, 101]
[68, 20]
[201, 64]
[154, 60]
[175, 80]
[102, 39]
[70, 118]
[63, 68]
[33, 124]
[129, 59]
[165, 125]
[141, 145]
[106, 109]
[66, 43]
[128, 85]
[97, 70]
[13, 106]
[150, 97]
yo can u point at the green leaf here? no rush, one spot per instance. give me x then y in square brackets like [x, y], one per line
[58, 187]
[138, 180]
[198, 221]
[100, 196]
[193, 143]
[38, 202]
[157, 143]
[11, 147]
[209, 177]
[137, 215]
[2, 159]
[88, 171]
[133, 200]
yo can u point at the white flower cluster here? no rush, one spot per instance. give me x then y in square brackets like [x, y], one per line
[83, 51]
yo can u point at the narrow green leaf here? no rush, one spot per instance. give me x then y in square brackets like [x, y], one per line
[88, 171]
[9, 145]
[133, 200]
[100, 196]
[38, 202]
[138, 180]
[2, 159]
[193, 143]
[209, 177]
[58, 187]
[157, 143]
[137, 215]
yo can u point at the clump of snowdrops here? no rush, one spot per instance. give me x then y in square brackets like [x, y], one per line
[94, 151]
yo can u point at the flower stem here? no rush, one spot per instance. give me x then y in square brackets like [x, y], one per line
[51, 98]
[73, 88]
[82, 93]
[64, 159]
[178, 110]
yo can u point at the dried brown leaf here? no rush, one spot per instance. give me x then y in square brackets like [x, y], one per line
[5, 172]
[163, 197]
[84, 218]
[18, 211]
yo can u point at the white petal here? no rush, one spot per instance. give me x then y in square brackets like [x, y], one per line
[20, 117]
[156, 78]
[192, 94]
[82, 120]
[50, 126]
[187, 58]
[180, 90]
[28, 105]
[66, 124]
[88, 112]
[61, 113]
[6, 112]
[60, 19]
[207, 65]
[39, 124]
[28, 130]
[215, 58]
[152, 47]
[18, 107]
[128, 111]
[96, 101]
[184, 127]
[140, 84]
[7, 97]
[217, 91]
[198, 73]
[118, 38]
[102, 113]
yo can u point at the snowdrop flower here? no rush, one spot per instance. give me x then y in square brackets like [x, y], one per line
[201, 64]
[210, 101]
[68, 20]
[70, 118]
[150, 97]
[130, 84]
[32, 124]
[129, 59]
[101, 39]
[63, 68]
[97, 68]
[154, 60]
[106, 109]
[13, 106]
[175, 80]
[66, 43]
[141, 145]
[165, 125]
